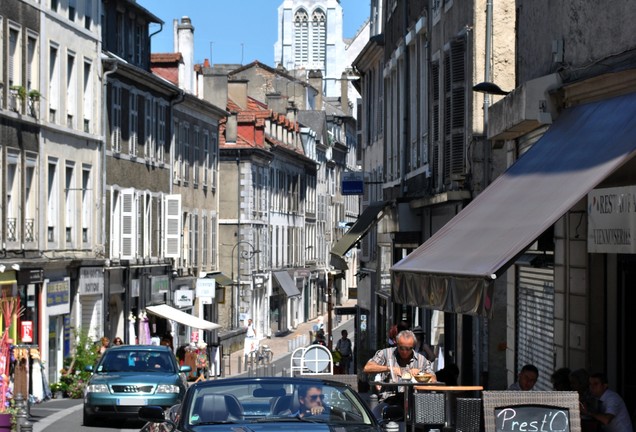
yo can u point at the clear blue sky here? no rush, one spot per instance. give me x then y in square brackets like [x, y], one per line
[235, 31]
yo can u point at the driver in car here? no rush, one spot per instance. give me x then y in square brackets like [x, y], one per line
[311, 401]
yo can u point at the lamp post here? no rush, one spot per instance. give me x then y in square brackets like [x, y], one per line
[246, 255]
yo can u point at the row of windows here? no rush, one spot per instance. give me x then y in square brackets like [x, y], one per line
[196, 155]
[70, 204]
[70, 93]
[82, 12]
[21, 184]
[200, 241]
[143, 133]
[447, 114]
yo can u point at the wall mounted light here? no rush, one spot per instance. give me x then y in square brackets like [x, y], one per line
[2, 268]
[489, 88]
[15, 267]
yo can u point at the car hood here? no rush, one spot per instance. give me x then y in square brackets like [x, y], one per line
[286, 426]
[114, 378]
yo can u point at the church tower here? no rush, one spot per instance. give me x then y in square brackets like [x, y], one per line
[310, 38]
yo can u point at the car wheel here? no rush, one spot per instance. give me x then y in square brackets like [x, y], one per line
[88, 420]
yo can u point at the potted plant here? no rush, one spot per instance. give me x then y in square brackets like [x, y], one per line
[58, 389]
[8, 415]
[19, 91]
[17, 97]
[34, 95]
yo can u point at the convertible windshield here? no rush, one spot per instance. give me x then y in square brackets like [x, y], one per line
[275, 401]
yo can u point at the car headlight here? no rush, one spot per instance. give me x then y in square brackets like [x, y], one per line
[168, 388]
[97, 388]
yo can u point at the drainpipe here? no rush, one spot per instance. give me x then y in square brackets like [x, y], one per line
[177, 100]
[105, 74]
[484, 330]
[487, 78]
[405, 114]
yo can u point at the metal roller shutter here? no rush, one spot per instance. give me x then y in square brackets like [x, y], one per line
[92, 315]
[535, 322]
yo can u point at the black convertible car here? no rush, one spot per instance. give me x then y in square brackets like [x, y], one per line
[264, 404]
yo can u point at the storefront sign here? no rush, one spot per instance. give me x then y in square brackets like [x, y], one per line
[611, 220]
[205, 287]
[522, 418]
[58, 295]
[30, 276]
[26, 335]
[91, 280]
[159, 284]
[183, 298]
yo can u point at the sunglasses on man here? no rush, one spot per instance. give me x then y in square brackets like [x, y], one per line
[314, 398]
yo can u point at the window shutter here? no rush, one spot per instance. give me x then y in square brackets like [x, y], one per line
[127, 224]
[172, 213]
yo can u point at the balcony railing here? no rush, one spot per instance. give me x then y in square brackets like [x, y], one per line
[12, 228]
[29, 227]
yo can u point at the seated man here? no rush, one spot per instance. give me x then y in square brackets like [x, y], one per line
[396, 363]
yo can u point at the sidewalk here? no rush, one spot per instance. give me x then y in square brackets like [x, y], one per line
[280, 344]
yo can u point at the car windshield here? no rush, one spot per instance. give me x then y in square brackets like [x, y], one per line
[136, 361]
[275, 401]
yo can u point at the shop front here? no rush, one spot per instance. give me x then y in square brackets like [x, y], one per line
[466, 267]
[283, 302]
[57, 324]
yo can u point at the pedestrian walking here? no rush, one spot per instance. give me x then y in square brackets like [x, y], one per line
[344, 347]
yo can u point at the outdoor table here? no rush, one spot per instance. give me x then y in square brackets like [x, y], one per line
[450, 393]
[408, 391]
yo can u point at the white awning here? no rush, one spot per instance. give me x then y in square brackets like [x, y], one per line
[181, 317]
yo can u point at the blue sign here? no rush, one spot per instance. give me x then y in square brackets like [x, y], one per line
[352, 187]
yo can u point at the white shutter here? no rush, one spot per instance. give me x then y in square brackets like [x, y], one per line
[172, 213]
[127, 224]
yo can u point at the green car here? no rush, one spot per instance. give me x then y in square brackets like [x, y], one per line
[129, 377]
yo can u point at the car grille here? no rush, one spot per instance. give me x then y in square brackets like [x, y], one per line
[132, 389]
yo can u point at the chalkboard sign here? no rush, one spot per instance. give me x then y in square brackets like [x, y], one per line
[532, 418]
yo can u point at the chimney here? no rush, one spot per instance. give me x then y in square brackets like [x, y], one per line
[315, 80]
[215, 88]
[344, 94]
[276, 102]
[237, 91]
[184, 44]
[231, 128]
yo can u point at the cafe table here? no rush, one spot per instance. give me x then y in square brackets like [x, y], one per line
[408, 386]
[450, 394]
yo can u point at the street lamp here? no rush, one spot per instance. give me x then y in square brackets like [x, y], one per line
[246, 255]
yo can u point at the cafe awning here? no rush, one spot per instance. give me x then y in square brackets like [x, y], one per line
[455, 269]
[220, 279]
[286, 283]
[170, 313]
[367, 220]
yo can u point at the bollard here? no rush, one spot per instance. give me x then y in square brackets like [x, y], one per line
[392, 427]
[373, 401]
[27, 426]
[21, 415]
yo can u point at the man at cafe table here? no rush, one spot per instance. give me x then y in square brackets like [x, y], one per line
[394, 362]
